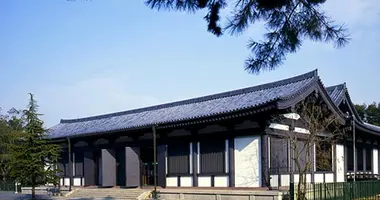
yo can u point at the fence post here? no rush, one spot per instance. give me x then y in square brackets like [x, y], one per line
[291, 191]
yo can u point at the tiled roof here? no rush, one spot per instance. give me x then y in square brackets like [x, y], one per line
[212, 105]
[338, 93]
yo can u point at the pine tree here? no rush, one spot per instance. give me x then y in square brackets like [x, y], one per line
[288, 23]
[33, 158]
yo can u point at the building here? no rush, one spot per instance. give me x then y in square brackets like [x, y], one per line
[220, 140]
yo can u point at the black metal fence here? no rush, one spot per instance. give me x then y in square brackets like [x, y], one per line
[360, 190]
[9, 186]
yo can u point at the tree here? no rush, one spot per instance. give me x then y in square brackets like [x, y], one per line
[323, 128]
[10, 129]
[33, 159]
[288, 23]
[369, 113]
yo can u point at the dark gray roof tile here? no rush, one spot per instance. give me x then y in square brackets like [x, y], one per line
[185, 110]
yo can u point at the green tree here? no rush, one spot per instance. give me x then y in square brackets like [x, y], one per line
[10, 129]
[288, 23]
[33, 159]
[369, 113]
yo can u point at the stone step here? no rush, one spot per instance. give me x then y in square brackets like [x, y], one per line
[122, 194]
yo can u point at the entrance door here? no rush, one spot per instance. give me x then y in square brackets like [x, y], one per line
[120, 167]
[147, 159]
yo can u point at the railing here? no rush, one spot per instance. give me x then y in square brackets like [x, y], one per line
[360, 190]
[9, 186]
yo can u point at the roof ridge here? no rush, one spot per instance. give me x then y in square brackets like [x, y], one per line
[286, 81]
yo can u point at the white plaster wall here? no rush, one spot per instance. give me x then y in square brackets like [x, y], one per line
[339, 162]
[301, 130]
[221, 181]
[67, 181]
[248, 161]
[186, 181]
[274, 180]
[83, 181]
[285, 180]
[329, 178]
[61, 181]
[171, 181]
[204, 181]
[318, 178]
[77, 181]
[375, 159]
[308, 178]
[279, 126]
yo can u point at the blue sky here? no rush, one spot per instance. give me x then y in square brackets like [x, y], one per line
[92, 57]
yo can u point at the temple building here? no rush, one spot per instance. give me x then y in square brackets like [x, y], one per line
[221, 140]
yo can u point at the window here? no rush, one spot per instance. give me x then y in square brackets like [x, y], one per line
[212, 156]
[323, 157]
[359, 152]
[178, 158]
[79, 163]
[279, 155]
[368, 159]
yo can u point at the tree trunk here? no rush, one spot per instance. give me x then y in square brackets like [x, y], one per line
[33, 192]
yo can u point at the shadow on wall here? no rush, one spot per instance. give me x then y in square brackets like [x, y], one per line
[247, 162]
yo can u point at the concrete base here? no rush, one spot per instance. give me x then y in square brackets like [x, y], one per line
[43, 190]
[195, 194]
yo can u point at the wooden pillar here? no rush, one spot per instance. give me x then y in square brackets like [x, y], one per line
[70, 164]
[194, 135]
[231, 164]
[161, 169]
[265, 182]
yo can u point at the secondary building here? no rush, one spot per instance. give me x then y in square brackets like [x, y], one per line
[221, 140]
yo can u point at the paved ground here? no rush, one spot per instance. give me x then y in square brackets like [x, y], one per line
[13, 196]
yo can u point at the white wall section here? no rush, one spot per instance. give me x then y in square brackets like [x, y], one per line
[279, 126]
[77, 181]
[329, 177]
[186, 181]
[204, 181]
[274, 180]
[67, 181]
[221, 181]
[339, 163]
[318, 178]
[285, 180]
[375, 160]
[301, 130]
[248, 161]
[172, 181]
